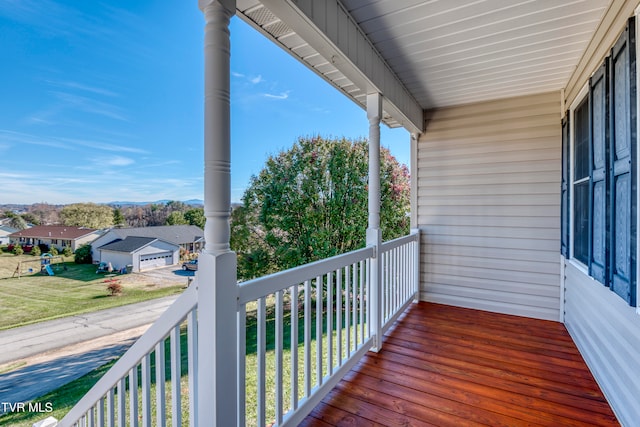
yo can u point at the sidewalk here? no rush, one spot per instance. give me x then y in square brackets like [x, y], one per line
[53, 353]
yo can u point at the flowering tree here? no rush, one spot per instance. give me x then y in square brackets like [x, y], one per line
[310, 202]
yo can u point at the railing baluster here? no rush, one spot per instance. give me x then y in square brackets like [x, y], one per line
[161, 407]
[319, 315]
[122, 401]
[347, 309]
[146, 391]
[133, 397]
[354, 305]
[294, 347]
[307, 338]
[176, 374]
[192, 361]
[242, 364]
[100, 410]
[330, 323]
[262, 363]
[361, 299]
[91, 418]
[339, 317]
[368, 297]
[111, 408]
[279, 338]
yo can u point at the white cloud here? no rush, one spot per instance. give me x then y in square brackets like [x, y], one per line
[89, 105]
[117, 161]
[82, 87]
[282, 95]
[256, 80]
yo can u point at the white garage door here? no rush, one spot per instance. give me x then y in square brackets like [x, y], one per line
[156, 260]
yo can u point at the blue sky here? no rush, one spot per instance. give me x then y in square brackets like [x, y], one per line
[103, 101]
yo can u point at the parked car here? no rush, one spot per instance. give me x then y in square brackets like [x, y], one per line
[190, 265]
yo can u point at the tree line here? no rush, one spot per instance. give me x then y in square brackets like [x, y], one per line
[98, 216]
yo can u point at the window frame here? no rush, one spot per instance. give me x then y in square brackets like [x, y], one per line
[582, 96]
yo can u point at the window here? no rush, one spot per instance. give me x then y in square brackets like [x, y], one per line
[581, 175]
[602, 175]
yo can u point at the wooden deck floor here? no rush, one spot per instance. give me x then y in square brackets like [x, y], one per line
[448, 366]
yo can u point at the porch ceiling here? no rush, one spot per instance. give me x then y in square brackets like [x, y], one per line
[441, 52]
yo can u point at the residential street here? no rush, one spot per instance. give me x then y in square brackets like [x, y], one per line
[51, 354]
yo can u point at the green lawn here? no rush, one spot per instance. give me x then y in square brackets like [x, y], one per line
[74, 289]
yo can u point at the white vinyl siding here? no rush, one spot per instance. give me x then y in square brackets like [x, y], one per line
[489, 206]
[607, 333]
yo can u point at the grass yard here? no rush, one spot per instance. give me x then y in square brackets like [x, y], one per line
[77, 289]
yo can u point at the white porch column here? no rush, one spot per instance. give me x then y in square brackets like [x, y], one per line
[374, 236]
[414, 212]
[217, 288]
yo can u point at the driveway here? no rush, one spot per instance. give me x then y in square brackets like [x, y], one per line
[165, 276]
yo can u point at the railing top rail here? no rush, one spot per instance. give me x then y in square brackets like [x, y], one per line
[143, 346]
[392, 244]
[260, 287]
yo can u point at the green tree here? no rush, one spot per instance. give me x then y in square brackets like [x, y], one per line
[88, 215]
[176, 218]
[17, 250]
[118, 218]
[30, 218]
[36, 251]
[310, 202]
[15, 221]
[195, 217]
[83, 255]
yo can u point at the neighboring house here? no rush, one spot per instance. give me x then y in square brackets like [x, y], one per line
[5, 231]
[55, 235]
[142, 253]
[187, 237]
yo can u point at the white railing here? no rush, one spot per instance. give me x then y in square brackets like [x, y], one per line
[327, 300]
[300, 331]
[123, 396]
[400, 263]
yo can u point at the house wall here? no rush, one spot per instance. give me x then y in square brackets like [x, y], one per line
[75, 244]
[604, 327]
[117, 259]
[488, 206]
[607, 332]
[106, 238]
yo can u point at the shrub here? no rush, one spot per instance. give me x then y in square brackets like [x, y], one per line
[83, 255]
[35, 251]
[4, 248]
[17, 250]
[53, 250]
[114, 288]
[66, 251]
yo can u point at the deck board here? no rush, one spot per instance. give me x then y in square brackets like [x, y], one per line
[449, 366]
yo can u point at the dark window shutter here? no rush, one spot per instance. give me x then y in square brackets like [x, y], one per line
[598, 183]
[564, 189]
[622, 161]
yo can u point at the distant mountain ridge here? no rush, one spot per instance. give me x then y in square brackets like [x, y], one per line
[191, 202]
